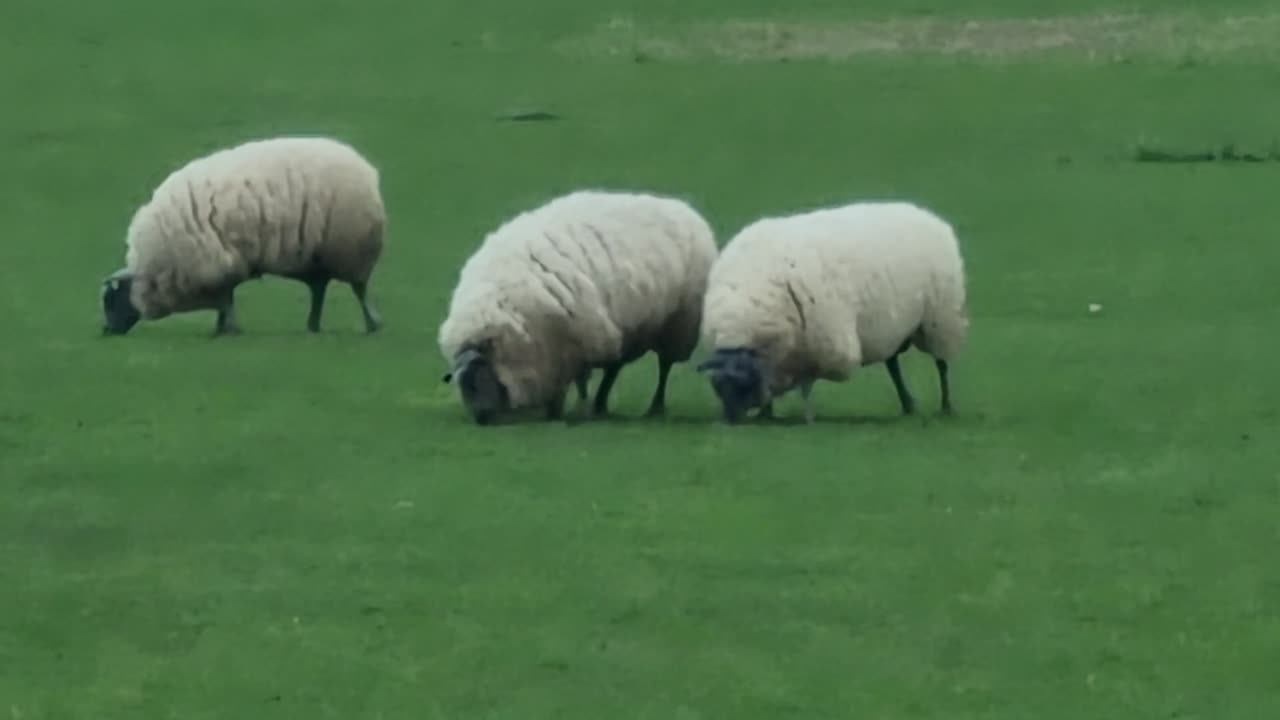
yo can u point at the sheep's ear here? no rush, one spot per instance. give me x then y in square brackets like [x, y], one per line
[461, 362]
[114, 280]
[121, 274]
[714, 363]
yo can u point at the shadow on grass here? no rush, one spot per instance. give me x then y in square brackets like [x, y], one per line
[614, 418]
[536, 418]
[196, 333]
[714, 420]
[859, 420]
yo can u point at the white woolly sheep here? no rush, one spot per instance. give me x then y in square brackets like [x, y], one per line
[304, 208]
[792, 300]
[592, 279]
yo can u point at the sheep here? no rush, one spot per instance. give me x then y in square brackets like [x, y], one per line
[305, 208]
[811, 296]
[594, 279]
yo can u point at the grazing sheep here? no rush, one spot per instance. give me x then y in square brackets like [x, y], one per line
[309, 209]
[809, 297]
[593, 279]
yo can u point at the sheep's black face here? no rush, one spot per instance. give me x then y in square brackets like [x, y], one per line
[738, 380]
[118, 313]
[484, 395]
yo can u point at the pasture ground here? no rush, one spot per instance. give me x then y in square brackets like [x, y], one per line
[285, 526]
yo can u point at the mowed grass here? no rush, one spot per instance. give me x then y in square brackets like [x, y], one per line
[291, 526]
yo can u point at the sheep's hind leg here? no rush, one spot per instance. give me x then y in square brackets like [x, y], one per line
[372, 321]
[226, 323]
[317, 285]
[658, 406]
[943, 382]
[945, 386]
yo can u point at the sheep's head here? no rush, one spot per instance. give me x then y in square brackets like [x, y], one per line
[118, 311]
[477, 378]
[738, 377]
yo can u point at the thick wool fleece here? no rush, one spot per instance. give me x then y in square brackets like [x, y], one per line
[588, 279]
[823, 292]
[281, 206]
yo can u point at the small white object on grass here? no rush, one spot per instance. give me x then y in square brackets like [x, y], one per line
[1095, 308]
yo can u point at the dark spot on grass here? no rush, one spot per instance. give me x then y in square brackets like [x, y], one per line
[1227, 153]
[16, 418]
[631, 612]
[528, 116]
[1204, 501]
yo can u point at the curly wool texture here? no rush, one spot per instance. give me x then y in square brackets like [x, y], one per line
[821, 293]
[588, 279]
[281, 206]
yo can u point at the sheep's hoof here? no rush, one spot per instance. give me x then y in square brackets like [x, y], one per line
[656, 412]
[227, 330]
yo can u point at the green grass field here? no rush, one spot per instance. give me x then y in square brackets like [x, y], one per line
[280, 525]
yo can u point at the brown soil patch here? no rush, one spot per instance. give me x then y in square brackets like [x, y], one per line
[1094, 37]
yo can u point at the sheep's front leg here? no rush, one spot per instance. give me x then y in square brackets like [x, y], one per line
[766, 411]
[945, 386]
[806, 392]
[605, 387]
[584, 405]
[318, 285]
[904, 396]
[555, 407]
[226, 306]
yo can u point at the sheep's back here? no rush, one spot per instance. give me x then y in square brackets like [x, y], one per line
[293, 205]
[580, 279]
[824, 291]
[644, 259]
[890, 268]
[283, 206]
[746, 302]
[769, 290]
[620, 265]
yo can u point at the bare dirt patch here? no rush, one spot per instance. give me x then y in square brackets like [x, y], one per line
[1092, 38]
